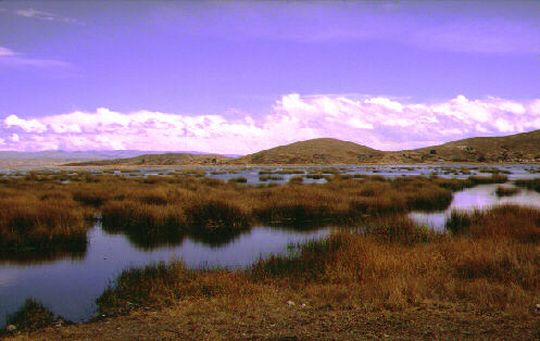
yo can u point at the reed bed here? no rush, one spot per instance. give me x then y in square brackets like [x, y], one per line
[493, 264]
[154, 209]
[506, 191]
[533, 184]
[41, 219]
[32, 315]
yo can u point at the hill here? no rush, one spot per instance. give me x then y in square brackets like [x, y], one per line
[524, 147]
[316, 151]
[160, 159]
[13, 159]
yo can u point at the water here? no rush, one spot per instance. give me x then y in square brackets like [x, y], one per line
[251, 173]
[70, 285]
[479, 197]
[460, 171]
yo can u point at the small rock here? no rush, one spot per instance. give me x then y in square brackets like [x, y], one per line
[291, 303]
[11, 328]
[538, 306]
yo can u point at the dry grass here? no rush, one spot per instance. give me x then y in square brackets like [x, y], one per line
[533, 184]
[40, 219]
[506, 191]
[31, 315]
[493, 266]
[41, 209]
[489, 262]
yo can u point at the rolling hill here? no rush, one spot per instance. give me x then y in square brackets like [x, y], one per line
[524, 148]
[160, 159]
[316, 151]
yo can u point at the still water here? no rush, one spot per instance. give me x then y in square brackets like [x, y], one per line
[69, 286]
[476, 198]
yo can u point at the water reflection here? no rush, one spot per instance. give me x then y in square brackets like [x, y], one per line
[36, 257]
[70, 286]
[479, 197]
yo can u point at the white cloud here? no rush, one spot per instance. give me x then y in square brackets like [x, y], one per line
[28, 126]
[11, 58]
[378, 122]
[44, 15]
[5, 52]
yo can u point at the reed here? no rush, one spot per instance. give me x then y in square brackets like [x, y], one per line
[41, 221]
[533, 184]
[385, 263]
[163, 284]
[32, 315]
[506, 191]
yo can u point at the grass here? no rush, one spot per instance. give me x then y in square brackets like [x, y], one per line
[163, 284]
[506, 191]
[270, 178]
[493, 179]
[503, 222]
[40, 219]
[296, 180]
[492, 264]
[382, 261]
[158, 210]
[533, 184]
[31, 315]
[239, 179]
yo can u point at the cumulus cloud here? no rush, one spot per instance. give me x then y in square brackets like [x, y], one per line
[379, 122]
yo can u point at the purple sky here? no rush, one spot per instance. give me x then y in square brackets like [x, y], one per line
[236, 77]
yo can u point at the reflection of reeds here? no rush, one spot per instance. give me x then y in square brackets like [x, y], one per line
[533, 184]
[492, 264]
[156, 210]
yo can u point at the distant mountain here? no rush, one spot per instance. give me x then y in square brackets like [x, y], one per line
[75, 155]
[160, 159]
[316, 151]
[524, 147]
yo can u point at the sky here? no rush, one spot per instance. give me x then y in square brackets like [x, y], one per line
[237, 77]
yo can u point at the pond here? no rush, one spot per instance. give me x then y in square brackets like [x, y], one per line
[69, 285]
[476, 198]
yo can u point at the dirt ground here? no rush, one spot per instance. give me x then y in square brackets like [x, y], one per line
[286, 316]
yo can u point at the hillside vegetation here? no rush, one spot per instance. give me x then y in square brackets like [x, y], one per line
[316, 151]
[160, 159]
[523, 148]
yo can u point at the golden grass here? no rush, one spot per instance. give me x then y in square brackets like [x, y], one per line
[491, 267]
[506, 191]
[42, 209]
[490, 261]
[40, 219]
